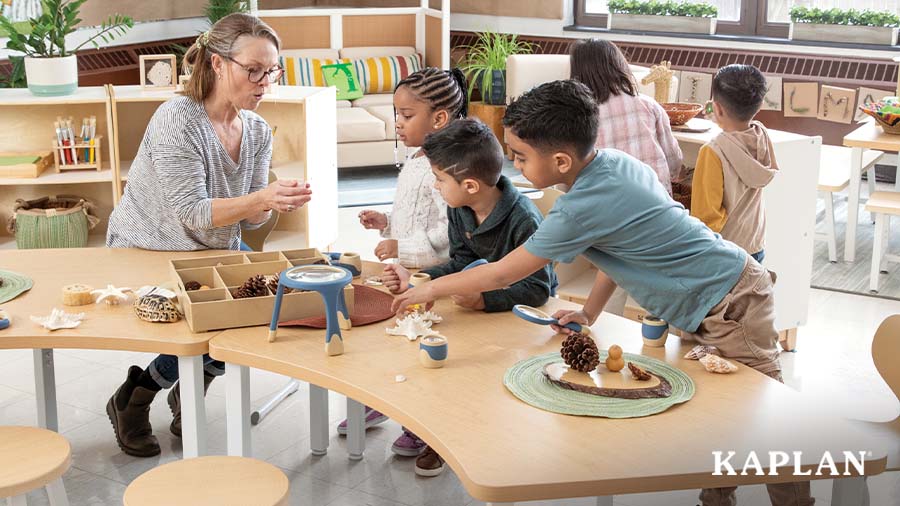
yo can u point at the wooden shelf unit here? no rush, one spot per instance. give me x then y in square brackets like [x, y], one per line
[305, 148]
[28, 126]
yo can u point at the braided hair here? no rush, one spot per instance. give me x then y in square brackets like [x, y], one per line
[440, 89]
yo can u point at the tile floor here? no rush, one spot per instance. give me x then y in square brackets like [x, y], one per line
[833, 363]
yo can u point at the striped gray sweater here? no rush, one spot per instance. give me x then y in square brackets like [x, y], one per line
[180, 167]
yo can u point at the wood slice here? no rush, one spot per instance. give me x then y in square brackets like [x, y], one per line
[619, 385]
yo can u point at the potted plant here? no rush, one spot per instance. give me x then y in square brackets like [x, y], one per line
[865, 27]
[50, 67]
[659, 16]
[218, 9]
[485, 64]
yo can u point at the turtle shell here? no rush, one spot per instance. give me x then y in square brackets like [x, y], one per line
[156, 308]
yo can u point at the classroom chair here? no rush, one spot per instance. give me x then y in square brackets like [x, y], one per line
[33, 458]
[882, 205]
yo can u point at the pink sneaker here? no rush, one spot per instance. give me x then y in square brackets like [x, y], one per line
[408, 445]
[373, 418]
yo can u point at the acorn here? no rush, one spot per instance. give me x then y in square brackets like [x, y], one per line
[614, 360]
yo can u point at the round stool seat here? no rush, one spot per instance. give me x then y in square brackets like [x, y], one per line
[215, 480]
[32, 458]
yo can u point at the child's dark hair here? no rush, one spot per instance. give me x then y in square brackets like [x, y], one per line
[440, 89]
[465, 149]
[555, 116]
[740, 90]
[601, 67]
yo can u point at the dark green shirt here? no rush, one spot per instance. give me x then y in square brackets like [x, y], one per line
[509, 225]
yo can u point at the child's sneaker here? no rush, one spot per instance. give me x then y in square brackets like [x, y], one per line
[429, 463]
[373, 418]
[408, 445]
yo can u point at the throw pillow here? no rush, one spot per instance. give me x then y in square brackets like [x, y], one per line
[381, 74]
[343, 77]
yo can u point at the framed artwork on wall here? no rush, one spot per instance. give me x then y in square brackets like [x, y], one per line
[801, 100]
[158, 71]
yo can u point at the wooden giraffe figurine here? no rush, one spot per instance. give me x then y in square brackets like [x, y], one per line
[661, 77]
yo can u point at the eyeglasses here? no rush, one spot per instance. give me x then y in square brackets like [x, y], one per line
[256, 75]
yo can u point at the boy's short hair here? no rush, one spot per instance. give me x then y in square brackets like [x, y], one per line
[555, 116]
[466, 149]
[740, 90]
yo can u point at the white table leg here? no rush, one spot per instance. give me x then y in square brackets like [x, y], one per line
[853, 203]
[829, 226]
[193, 407]
[18, 500]
[237, 409]
[606, 500]
[850, 492]
[45, 389]
[877, 251]
[56, 492]
[356, 429]
[318, 420]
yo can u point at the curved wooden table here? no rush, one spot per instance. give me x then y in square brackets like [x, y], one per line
[105, 327]
[504, 450]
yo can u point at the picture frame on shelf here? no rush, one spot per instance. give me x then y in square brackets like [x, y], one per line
[158, 71]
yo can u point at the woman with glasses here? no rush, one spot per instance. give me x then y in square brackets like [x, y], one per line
[200, 174]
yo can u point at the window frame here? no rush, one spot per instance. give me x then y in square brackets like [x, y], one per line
[754, 21]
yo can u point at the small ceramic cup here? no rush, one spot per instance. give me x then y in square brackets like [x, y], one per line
[419, 278]
[4, 319]
[351, 259]
[432, 351]
[655, 331]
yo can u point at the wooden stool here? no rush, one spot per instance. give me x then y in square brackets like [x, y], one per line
[217, 480]
[834, 176]
[882, 205]
[33, 458]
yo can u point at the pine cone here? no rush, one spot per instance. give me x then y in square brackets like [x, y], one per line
[580, 353]
[253, 287]
[272, 284]
[638, 373]
[191, 286]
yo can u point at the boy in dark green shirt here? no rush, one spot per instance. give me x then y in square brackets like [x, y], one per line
[488, 216]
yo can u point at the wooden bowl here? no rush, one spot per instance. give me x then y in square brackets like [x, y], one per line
[681, 112]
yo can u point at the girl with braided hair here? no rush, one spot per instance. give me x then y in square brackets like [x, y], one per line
[415, 231]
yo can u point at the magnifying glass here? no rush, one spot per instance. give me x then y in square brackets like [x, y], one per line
[329, 282]
[535, 315]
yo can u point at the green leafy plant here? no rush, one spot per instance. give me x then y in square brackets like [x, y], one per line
[800, 14]
[668, 8]
[48, 31]
[218, 9]
[488, 54]
[15, 78]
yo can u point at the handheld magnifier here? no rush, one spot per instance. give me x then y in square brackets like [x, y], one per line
[535, 315]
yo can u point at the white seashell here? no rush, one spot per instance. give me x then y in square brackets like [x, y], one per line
[717, 364]
[700, 351]
[58, 319]
[432, 317]
[157, 290]
[413, 326]
[111, 294]
[399, 378]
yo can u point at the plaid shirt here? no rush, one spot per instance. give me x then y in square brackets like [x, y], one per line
[640, 127]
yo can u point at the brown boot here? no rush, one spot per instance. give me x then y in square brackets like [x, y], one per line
[174, 400]
[129, 412]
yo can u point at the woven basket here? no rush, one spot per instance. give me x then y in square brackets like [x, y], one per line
[681, 112]
[882, 122]
[52, 222]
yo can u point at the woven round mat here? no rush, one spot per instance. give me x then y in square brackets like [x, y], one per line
[370, 305]
[13, 285]
[527, 382]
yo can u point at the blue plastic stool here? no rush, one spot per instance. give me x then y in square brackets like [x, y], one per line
[329, 282]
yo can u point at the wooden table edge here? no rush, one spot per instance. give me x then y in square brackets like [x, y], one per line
[34, 484]
[131, 344]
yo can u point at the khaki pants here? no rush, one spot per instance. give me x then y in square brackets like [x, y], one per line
[742, 327]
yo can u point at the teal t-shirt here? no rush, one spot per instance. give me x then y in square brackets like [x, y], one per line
[621, 218]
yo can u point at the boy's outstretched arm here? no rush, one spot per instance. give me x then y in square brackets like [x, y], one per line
[602, 290]
[515, 266]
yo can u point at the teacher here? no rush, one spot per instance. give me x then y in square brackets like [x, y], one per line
[200, 174]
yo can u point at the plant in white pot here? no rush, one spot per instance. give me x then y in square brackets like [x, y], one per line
[50, 67]
[485, 64]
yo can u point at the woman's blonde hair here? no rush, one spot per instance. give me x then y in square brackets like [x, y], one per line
[220, 40]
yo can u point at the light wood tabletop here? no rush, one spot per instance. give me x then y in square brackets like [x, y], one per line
[31, 459]
[870, 135]
[108, 327]
[504, 450]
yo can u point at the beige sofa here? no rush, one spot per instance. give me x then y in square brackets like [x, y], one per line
[365, 126]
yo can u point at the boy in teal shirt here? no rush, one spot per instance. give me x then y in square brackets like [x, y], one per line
[618, 215]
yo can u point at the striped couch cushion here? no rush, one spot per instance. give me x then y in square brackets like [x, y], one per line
[301, 71]
[381, 74]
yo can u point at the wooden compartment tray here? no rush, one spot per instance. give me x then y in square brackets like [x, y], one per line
[28, 164]
[216, 308]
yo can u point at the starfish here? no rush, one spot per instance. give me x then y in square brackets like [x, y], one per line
[111, 294]
[412, 326]
[58, 319]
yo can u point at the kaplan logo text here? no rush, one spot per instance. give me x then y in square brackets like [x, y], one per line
[752, 465]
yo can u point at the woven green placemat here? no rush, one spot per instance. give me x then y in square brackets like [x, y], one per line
[13, 285]
[527, 382]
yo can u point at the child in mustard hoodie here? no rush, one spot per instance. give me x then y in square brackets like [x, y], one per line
[734, 167]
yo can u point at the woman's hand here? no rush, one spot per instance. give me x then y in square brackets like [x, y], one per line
[373, 220]
[285, 195]
[395, 278]
[567, 315]
[387, 248]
